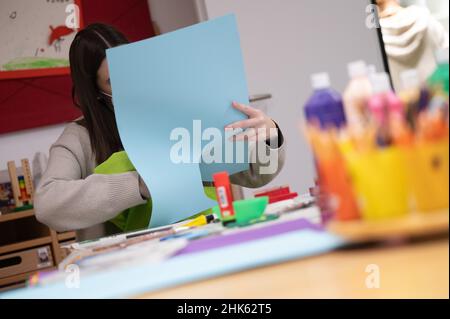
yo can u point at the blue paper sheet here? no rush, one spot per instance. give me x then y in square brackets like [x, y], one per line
[167, 82]
[135, 280]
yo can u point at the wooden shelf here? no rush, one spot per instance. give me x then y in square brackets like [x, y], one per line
[21, 231]
[16, 215]
[32, 227]
[16, 279]
[67, 236]
[13, 286]
[25, 244]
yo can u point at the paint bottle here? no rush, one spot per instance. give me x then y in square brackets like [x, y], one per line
[356, 96]
[384, 107]
[325, 106]
[371, 70]
[440, 77]
[414, 96]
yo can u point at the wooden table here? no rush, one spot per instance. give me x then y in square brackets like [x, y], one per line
[407, 270]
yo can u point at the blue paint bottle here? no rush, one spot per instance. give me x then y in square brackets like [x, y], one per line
[325, 106]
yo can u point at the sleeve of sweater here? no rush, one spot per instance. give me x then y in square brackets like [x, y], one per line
[263, 168]
[68, 198]
[438, 34]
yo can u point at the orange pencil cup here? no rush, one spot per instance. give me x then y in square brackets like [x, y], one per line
[333, 176]
[335, 183]
[429, 166]
[380, 182]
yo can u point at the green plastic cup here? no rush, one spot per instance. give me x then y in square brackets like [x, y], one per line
[246, 210]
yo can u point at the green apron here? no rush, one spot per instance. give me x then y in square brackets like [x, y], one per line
[138, 217]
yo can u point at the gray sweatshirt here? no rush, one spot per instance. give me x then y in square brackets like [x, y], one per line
[71, 197]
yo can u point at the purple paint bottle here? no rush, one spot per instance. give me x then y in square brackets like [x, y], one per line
[325, 106]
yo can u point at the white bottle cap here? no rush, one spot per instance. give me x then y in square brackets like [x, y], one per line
[380, 83]
[320, 81]
[357, 69]
[410, 79]
[441, 56]
[371, 69]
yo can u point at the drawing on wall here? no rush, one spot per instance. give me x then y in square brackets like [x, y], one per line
[38, 35]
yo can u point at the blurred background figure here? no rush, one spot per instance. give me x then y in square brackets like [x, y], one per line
[412, 35]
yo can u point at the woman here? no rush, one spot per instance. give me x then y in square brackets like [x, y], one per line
[411, 38]
[70, 195]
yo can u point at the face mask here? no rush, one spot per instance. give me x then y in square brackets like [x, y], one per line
[107, 99]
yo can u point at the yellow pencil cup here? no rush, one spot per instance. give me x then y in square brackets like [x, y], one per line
[429, 166]
[380, 181]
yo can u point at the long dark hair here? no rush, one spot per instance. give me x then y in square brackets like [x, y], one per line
[86, 54]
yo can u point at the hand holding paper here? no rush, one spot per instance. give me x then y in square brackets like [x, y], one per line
[257, 123]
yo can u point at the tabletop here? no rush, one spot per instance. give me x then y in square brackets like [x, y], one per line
[418, 269]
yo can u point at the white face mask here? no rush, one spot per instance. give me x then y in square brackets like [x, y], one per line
[107, 99]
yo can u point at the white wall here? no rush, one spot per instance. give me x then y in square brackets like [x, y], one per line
[438, 8]
[283, 43]
[171, 15]
[24, 144]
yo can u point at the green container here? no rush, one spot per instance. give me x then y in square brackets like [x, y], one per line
[439, 78]
[247, 210]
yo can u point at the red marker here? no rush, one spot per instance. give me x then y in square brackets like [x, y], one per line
[277, 194]
[224, 197]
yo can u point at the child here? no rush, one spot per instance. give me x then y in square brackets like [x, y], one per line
[70, 195]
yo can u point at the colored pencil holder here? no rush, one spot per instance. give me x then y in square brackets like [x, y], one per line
[380, 180]
[336, 186]
[429, 165]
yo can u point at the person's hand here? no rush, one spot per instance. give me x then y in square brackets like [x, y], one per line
[257, 127]
[145, 194]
